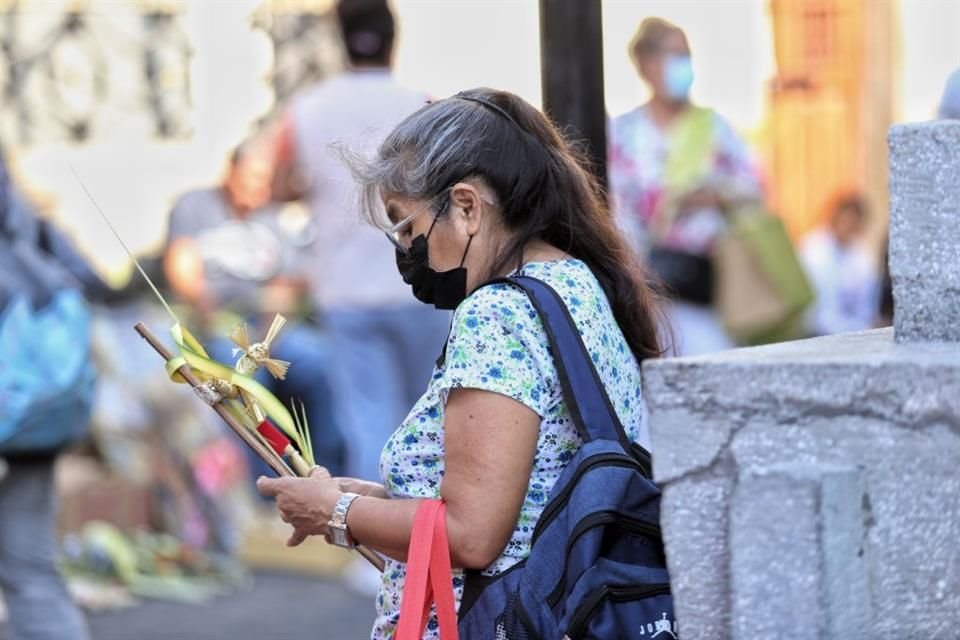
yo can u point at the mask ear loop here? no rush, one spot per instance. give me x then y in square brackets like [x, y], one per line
[432, 225]
[464, 258]
[435, 218]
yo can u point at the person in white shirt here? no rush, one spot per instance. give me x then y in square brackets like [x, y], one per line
[842, 271]
[385, 343]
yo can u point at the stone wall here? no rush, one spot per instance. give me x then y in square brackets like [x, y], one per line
[925, 230]
[812, 489]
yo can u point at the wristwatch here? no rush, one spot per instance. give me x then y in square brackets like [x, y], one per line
[339, 533]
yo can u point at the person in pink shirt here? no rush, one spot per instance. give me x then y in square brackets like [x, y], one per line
[673, 169]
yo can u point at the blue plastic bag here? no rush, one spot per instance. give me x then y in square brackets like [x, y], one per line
[46, 377]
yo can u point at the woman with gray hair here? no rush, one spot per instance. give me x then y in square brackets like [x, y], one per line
[468, 189]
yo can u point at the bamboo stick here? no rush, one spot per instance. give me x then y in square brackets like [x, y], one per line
[251, 440]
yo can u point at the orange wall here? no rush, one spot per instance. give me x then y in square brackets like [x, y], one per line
[831, 104]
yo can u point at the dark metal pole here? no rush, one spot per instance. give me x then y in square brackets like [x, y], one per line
[571, 63]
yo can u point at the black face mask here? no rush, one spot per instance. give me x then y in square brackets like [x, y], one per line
[443, 289]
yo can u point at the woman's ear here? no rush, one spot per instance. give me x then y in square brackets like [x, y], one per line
[468, 206]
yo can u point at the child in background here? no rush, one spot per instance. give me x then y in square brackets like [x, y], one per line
[842, 271]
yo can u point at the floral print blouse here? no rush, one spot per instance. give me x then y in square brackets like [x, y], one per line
[638, 154]
[497, 343]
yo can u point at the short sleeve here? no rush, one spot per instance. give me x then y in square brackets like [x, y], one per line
[497, 343]
[188, 218]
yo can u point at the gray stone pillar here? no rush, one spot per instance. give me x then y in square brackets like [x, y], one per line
[924, 230]
[812, 489]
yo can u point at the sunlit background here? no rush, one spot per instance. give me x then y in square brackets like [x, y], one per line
[444, 46]
[143, 101]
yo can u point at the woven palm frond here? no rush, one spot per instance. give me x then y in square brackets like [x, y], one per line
[275, 326]
[240, 336]
[277, 368]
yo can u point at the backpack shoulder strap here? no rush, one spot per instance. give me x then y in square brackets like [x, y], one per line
[587, 401]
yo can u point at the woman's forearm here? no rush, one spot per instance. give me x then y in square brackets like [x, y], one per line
[386, 526]
[383, 524]
[362, 487]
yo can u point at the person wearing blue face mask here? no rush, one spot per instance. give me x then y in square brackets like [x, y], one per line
[674, 169]
[677, 73]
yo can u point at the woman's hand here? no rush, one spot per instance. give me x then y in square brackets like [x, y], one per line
[705, 197]
[304, 503]
[362, 488]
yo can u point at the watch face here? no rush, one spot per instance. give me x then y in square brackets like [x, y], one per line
[339, 537]
[338, 522]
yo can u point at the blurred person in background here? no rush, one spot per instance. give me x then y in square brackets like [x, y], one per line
[39, 266]
[950, 102]
[674, 168]
[842, 270]
[385, 343]
[228, 257]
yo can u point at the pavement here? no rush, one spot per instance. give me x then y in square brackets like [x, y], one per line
[277, 606]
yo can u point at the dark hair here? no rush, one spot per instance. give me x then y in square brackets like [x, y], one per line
[650, 36]
[852, 202]
[368, 30]
[240, 153]
[542, 184]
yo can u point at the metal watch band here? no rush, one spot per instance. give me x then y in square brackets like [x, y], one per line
[339, 533]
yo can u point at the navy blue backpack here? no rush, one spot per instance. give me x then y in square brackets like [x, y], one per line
[596, 567]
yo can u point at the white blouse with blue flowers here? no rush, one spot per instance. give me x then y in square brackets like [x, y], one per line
[497, 343]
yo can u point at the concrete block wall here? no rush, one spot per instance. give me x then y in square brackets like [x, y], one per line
[812, 489]
[823, 573]
[925, 230]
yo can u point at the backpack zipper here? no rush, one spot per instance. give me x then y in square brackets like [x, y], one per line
[632, 525]
[581, 617]
[555, 505]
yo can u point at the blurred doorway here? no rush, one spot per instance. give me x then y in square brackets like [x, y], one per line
[831, 104]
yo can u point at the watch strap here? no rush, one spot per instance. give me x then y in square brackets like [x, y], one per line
[339, 532]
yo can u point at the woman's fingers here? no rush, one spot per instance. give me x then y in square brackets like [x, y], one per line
[319, 472]
[298, 501]
[268, 487]
[296, 538]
